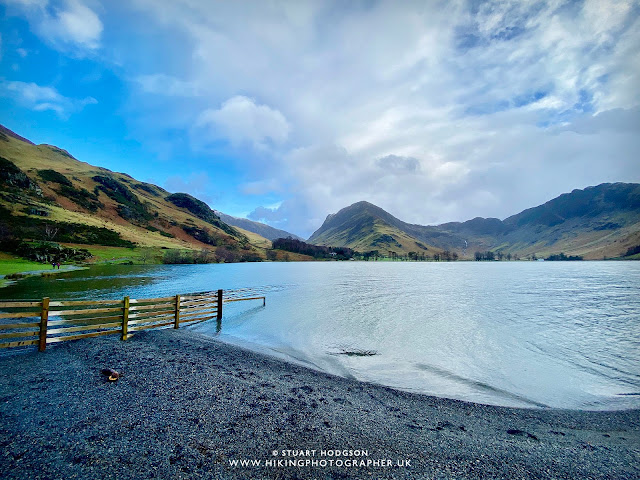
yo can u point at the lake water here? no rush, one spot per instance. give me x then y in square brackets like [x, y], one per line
[530, 334]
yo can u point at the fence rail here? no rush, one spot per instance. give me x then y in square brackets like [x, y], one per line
[26, 323]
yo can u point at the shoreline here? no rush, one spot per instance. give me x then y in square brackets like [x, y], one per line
[188, 406]
[4, 282]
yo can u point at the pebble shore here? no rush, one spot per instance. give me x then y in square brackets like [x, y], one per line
[188, 406]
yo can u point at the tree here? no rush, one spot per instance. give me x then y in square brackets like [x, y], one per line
[223, 255]
[50, 232]
[176, 256]
[204, 256]
[316, 251]
[632, 251]
[146, 254]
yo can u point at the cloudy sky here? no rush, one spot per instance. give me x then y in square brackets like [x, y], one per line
[286, 111]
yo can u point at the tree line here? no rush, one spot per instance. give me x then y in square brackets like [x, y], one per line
[316, 251]
[490, 256]
[344, 253]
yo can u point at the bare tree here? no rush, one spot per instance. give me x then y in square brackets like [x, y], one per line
[145, 254]
[224, 255]
[50, 232]
[204, 256]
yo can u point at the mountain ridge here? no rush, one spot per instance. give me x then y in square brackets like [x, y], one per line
[44, 185]
[46, 189]
[585, 222]
[262, 229]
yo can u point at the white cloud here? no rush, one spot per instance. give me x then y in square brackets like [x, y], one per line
[76, 23]
[440, 112]
[241, 120]
[68, 25]
[261, 187]
[436, 111]
[41, 98]
[161, 84]
[28, 3]
[397, 164]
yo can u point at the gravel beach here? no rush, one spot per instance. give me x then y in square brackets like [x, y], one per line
[189, 406]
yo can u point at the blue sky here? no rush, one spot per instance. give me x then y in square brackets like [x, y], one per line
[288, 111]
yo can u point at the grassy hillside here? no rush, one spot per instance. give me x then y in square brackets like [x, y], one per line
[48, 195]
[365, 227]
[595, 223]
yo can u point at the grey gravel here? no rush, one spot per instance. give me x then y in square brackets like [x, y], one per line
[187, 405]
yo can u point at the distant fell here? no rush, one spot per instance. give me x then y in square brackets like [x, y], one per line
[596, 222]
[259, 228]
[367, 227]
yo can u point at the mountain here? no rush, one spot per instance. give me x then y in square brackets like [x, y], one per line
[47, 194]
[5, 132]
[266, 231]
[596, 222]
[364, 227]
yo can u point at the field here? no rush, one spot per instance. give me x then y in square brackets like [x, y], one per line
[10, 264]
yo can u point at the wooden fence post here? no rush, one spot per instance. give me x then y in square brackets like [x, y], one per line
[44, 319]
[219, 316]
[125, 318]
[177, 319]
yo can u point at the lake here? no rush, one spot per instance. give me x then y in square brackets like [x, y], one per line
[528, 334]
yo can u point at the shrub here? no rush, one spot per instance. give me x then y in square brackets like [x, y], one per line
[200, 210]
[14, 276]
[129, 207]
[54, 177]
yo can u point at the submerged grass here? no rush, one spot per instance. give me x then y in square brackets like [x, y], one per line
[356, 353]
[10, 265]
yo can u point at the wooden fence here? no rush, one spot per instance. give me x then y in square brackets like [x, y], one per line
[25, 323]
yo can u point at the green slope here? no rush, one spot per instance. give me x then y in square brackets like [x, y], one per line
[364, 227]
[597, 222]
[47, 194]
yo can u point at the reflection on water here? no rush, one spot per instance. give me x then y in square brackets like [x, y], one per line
[511, 333]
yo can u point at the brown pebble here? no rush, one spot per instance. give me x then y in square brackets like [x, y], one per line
[111, 374]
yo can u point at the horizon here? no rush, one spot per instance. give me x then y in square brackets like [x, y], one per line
[286, 113]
